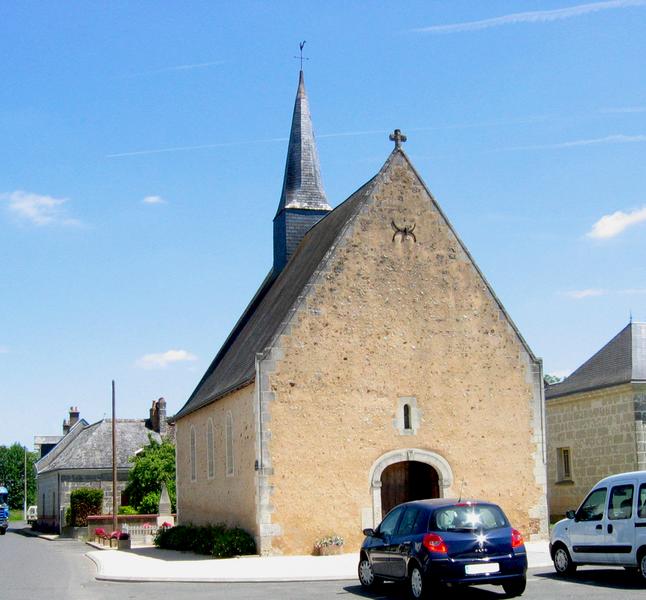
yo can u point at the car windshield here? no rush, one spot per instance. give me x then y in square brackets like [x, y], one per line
[468, 517]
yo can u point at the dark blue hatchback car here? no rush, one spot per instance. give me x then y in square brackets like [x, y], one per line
[443, 541]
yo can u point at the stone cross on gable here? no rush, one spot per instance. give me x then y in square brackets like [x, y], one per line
[398, 137]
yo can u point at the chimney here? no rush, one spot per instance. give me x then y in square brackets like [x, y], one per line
[66, 427]
[158, 416]
[74, 415]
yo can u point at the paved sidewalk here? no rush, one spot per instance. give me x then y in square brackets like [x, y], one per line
[153, 564]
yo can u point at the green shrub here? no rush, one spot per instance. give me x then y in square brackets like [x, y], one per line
[68, 516]
[215, 540]
[149, 504]
[84, 502]
[127, 510]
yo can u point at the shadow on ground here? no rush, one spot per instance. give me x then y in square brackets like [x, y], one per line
[394, 591]
[616, 578]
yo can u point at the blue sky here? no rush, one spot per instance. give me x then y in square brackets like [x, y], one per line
[143, 148]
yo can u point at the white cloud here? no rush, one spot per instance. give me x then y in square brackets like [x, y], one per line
[162, 359]
[153, 200]
[38, 209]
[612, 225]
[537, 16]
[580, 294]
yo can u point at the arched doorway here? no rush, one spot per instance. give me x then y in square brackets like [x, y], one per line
[439, 465]
[407, 480]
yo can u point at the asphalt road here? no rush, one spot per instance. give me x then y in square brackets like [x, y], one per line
[36, 568]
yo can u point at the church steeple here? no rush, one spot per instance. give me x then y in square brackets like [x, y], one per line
[302, 202]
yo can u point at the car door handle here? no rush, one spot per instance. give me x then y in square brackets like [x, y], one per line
[598, 527]
[610, 528]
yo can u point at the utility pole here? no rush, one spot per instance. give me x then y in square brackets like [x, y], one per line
[24, 500]
[114, 465]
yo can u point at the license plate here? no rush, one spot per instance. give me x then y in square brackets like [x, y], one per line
[482, 568]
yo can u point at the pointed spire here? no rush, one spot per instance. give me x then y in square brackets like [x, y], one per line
[302, 186]
[302, 202]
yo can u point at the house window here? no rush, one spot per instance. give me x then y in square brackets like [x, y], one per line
[229, 435]
[564, 464]
[210, 450]
[193, 455]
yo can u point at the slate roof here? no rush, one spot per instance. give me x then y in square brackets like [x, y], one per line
[90, 446]
[302, 185]
[234, 365]
[621, 360]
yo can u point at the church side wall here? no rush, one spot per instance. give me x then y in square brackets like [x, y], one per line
[598, 428]
[223, 498]
[388, 322]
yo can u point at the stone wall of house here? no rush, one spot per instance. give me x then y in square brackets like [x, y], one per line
[387, 320]
[101, 480]
[599, 429]
[223, 498]
[640, 424]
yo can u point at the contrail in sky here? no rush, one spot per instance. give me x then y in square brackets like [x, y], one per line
[537, 16]
[189, 67]
[618, 138]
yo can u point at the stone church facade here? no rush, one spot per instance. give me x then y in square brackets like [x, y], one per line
[374, 365]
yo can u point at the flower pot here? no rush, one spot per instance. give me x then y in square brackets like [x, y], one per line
[114, 543]
[330, 550]
[123, 544]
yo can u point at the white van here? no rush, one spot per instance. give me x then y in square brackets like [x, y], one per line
[609, 528]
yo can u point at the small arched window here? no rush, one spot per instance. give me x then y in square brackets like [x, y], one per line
[193, 455]
[210, 450]
[407, 425]
[229, 436]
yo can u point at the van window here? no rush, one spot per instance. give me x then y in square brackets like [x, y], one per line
[592, 507]
[642, 501]
[621, 502]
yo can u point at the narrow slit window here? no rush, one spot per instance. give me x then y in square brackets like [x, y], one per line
[229, 435]
[193, 456]
[407, 425]
[210, 450]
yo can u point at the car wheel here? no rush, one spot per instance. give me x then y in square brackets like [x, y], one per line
[642, 565]
[562, 561]
[366, 574]
[416, 583]
[515, 587]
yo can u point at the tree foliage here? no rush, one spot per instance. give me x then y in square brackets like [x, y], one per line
[12, 474]
[154, 465]
[84, 502]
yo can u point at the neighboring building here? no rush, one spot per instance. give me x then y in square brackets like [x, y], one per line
[374, 365]
[83, 458]
[596, 420]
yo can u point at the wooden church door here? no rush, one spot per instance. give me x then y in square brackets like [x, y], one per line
[405, 481]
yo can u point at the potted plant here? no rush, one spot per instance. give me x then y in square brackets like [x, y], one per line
[99, 535]
[123, 541]
[331, 544]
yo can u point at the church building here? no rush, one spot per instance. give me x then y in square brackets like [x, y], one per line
[374, 365]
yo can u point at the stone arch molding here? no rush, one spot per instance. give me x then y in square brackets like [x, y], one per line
[438, 462]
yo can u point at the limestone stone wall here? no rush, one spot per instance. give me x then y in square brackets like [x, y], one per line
[224, 498]
[385, 320]
[599, 429]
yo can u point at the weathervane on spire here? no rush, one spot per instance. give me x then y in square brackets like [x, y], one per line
[398, 137]
[302, 58]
